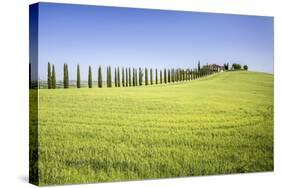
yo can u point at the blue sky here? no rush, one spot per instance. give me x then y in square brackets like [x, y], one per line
[94, 35]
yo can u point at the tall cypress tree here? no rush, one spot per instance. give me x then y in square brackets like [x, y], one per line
[156, 76]
[115, 78]
[140, 77]
[136, 77]
[53, 77]
[126, 77]
[118, 77]
[173, 75]
[146, 76]
[67, 76]
[90, 78]
[123, 77]
[99, 77]
[165, 76]
[161, 77]
[78, 76]
[199, 67]
[130, 78]
[169, 75]
[49, 76]
[151, 77]
[134, 83]
[64, 76]
[109, 77]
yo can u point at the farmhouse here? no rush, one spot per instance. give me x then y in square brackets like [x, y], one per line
[214, 67]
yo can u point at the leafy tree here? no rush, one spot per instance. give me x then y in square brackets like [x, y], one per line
[161, 80]
[90, 80]
[78, 76]
[53, 77]
[99, 77]
[49, 76]
[165, 76]
[245, 67]
[236, 66]
[151, 77]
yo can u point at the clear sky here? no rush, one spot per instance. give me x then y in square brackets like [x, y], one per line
[94, 35]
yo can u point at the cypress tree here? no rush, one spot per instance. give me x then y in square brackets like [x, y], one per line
[123, 77]
[134, 84]
[199, 67]
[151, 77]
[30, 76]
[67, 76]
[126, 77]
[146, 76]
[130, 78]
[161, 77]
[165, 76]
[109, 77]
[49, 76]
[78, 76]
[169, 76]
[136, 77]
[53, 77]
[140, 77]
[156, 76]
[99, 77]
[90, 78]
[173, 75]
[115, 76]
[118, 77]
[64, 76]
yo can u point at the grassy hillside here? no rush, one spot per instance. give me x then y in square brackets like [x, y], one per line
[215, 125]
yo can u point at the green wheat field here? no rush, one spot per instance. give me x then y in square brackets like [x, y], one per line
[219, 124]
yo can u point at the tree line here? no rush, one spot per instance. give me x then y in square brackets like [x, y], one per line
[131, 77]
